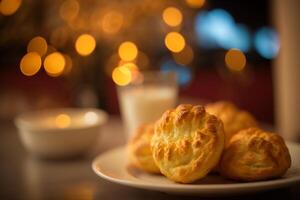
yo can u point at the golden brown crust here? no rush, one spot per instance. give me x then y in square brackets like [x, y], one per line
[139, 149]
[253, 155]
[187, 143]
[233, 119]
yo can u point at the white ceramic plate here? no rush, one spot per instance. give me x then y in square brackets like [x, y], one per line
[113, 166]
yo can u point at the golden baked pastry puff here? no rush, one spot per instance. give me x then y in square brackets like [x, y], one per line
[139, 150]
[253, 155]
[233, 118]
[187, 143]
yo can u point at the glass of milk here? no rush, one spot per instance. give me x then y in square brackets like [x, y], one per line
[147, 98]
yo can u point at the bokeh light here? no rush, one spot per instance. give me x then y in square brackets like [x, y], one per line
[54, 64]
[69, 10]
[112, 22]
[266, 42]
[37, 44]
[128, 51]
[240, 38]
[172, 16]
[195, 3]
[121, 75]
[213, 26]
[133, 68]
[174, 41]
[184, 74]
[185, 56]
[9, 7]
[90, 117]
[85, 44]
[217, 28]
[62, 121]
[235, 60]
[30, 64]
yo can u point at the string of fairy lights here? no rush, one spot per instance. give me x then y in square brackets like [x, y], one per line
[124, 64]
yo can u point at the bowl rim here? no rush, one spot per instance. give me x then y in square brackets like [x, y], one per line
[22, 121]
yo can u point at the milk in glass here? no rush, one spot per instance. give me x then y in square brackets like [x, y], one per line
[145, 104]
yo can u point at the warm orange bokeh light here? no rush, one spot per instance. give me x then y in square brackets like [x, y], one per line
[128, 51]
[85, 44]
[172, 16]
[62, 121]
[174, 42]
[131, 66]
[185, 56]
[30, 64]
[112, 22]
[54, 64]
[195, 3]
[114, 61]
[69, 10]
[37, 44]
[122, 75]
[235, 60]
[134, 70]
[9, 7]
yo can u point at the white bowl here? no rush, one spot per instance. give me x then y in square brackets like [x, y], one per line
[61, 132]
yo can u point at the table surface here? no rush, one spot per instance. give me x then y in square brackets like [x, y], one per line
[23, 176]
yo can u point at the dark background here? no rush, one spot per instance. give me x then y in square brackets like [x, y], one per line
[88, 84]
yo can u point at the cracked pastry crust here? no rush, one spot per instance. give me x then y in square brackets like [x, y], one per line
[233, 119]
[139, 150]
[187, 143]
[254, 155]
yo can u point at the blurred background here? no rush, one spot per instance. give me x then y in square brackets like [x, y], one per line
[64, 53]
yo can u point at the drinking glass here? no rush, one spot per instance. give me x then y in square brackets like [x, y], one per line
[146, 99]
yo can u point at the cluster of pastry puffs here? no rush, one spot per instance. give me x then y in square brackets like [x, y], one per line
[189, 142]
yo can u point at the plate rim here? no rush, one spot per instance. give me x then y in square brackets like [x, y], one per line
[275, 183]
